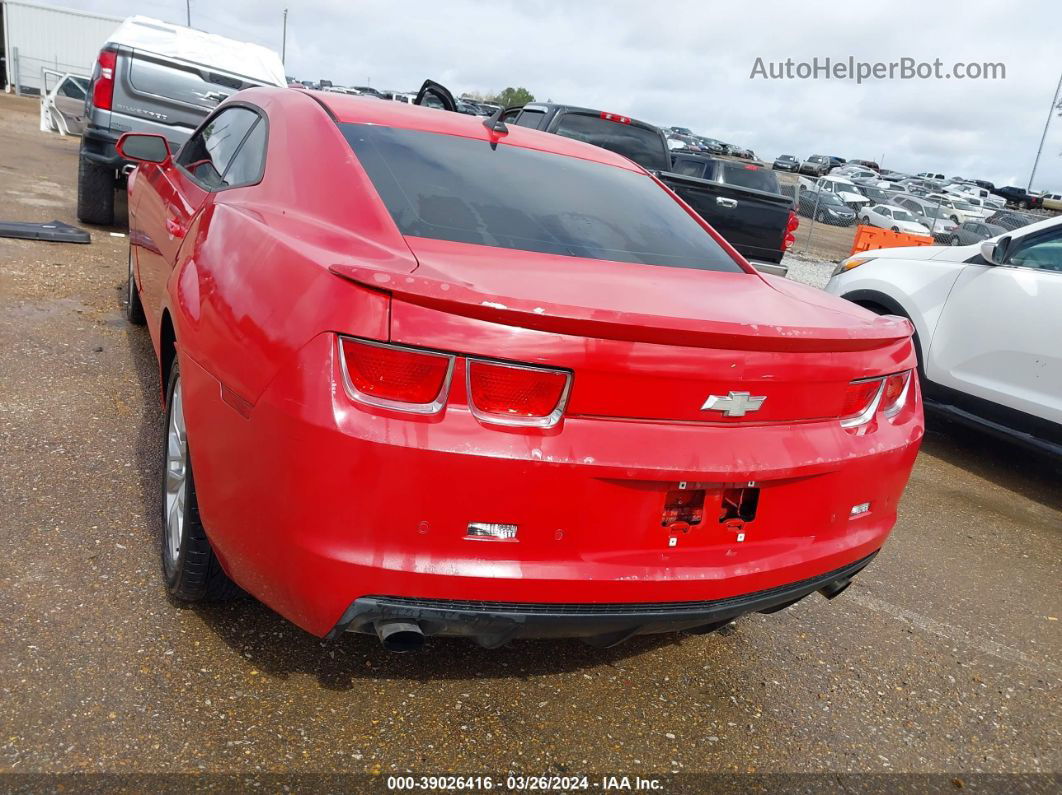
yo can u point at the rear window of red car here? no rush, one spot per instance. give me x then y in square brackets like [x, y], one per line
[464, 190]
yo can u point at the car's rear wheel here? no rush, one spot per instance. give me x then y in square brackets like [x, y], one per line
[189, 565]
[134, 310]
[95, 193]
[954, 240]
[896, 229]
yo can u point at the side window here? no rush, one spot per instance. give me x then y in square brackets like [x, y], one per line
[1043, 251]
[207, 154]
[509, 117]
[691, 168]
[247, 166]
[70, 88]
[531, 118]
[886, 212]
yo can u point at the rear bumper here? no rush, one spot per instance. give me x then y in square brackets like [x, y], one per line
[97, 145]
[331, 504]
[492, 624]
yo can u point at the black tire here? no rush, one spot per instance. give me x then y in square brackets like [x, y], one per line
[193, 574]
[896, 229]
[95, 193]
[134, 309]
[954, 241]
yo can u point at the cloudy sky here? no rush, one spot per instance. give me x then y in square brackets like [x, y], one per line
[689, 64]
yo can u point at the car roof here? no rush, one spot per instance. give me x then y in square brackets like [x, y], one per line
[361, 110]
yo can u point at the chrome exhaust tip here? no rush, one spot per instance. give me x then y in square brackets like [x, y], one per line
[399, 636]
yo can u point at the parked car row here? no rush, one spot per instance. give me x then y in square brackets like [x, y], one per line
[684, 140]
[868, 172]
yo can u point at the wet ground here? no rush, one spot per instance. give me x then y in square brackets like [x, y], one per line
[943, 657]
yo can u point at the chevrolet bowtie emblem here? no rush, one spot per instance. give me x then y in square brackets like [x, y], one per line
[734, 404]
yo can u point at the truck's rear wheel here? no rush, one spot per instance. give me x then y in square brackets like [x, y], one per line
[95, 193]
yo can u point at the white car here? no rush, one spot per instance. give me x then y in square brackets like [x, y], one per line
[988, 321]
[958, 208]
[853, 172]
[978, 197]
[897, 219]
[844, 189]
[63, 104]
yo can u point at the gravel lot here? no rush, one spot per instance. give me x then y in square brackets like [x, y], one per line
[944, 657]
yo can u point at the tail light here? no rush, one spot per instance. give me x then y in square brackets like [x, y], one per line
[615, 117]
[790, 227]
[103, 79]
[511, 394]
[860, 402]
[395, 377]
[864, 397]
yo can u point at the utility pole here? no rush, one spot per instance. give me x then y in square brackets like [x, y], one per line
[1050, 113]
[284, 41]
[188, 12]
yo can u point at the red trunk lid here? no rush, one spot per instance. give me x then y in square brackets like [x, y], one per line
[644, 342]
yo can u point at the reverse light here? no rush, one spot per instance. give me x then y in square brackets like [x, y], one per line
[394, 376]
[859, 510]
[515, 394]
[103, 83]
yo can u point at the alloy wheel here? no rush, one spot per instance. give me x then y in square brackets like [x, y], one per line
[176, 477]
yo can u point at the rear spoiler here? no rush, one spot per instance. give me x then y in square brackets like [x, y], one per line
[433, 293]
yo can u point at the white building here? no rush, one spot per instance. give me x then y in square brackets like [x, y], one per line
[38, 36]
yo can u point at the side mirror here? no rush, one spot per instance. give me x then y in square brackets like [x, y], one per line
[144, 147]
[993, 251]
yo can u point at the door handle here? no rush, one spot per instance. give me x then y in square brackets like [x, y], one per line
[722, 201]
[174, 228]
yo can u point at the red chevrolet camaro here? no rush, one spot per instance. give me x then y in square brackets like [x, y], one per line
[424, 376]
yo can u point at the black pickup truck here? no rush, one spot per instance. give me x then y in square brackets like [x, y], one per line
[741, 200]
[1018, 197]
